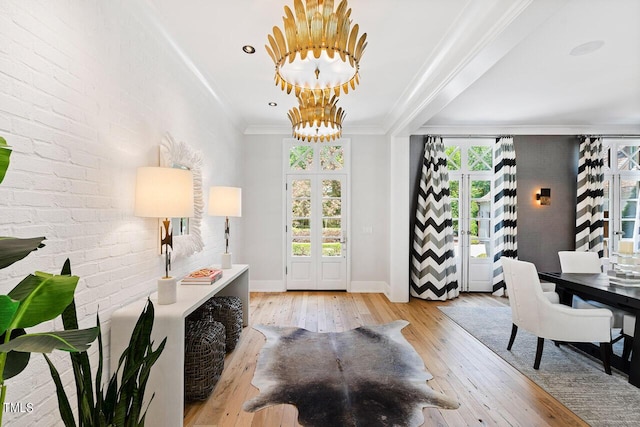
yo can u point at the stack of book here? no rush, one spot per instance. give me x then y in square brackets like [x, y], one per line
[204, 276]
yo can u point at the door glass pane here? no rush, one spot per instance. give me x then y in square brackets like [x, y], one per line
[331, 217]
[480, 199]
[301, 157]
[628, 207]
[480, 158]
[301, 217]
[629, 158]
[453, 158]
[331, 157]
[479, 244]
[480, 218]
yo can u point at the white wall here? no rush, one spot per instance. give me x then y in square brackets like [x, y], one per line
[87, 90]
[263, 212]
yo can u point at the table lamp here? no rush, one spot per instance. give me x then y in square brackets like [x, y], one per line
[164, 193]
[226, 202]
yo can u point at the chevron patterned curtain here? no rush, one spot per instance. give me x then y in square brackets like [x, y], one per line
[505, 209]
[589, 226]
[433, 268]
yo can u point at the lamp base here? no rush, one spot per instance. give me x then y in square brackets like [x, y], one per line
[167, 290]
[225, 260]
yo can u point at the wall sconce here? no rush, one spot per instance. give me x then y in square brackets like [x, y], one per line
[544, 196]
[164, 193]
[226, 202]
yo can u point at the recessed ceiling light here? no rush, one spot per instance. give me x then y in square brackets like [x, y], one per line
[586, 48]
[273, 104]
[248, 49]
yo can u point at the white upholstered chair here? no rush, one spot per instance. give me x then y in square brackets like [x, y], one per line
[533, 312]
[587, 262]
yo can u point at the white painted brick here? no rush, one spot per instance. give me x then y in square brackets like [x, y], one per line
[33, 198]
[31, 129]
[50, 119]
[14, 106]
[85, 159]
[19, 144]
[30, 95]
[52, 216]
[30, 59]
[89, 91]
[15, 70]
[5, 123]
[97, 280]
[70, 171]
[20, 180]
[51, 151]
[83, 187]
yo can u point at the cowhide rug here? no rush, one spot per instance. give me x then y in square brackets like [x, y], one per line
[369, 376]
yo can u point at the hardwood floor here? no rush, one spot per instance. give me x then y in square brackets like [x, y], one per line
[491, 392]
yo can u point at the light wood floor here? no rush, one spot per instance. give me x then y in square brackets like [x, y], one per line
[490, 391]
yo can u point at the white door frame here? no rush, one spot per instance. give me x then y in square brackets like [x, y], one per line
[345, 143]
[464, 176]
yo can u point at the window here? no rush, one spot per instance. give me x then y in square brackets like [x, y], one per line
[621, 192]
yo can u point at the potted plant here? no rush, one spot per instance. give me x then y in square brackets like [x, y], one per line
[121, 404]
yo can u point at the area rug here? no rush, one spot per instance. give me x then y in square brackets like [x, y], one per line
[368, 376]
[575, 379]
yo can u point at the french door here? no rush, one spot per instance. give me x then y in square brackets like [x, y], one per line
[621, 194]
[470, 164]
[315, 230]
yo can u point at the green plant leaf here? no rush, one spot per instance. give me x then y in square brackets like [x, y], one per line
[5, 154]
[16, 361]
[13, 249]
[63, 401]
[42, 297]
[46, 342]
[8, 308]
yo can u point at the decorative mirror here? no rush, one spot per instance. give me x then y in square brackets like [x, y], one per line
[187, 239]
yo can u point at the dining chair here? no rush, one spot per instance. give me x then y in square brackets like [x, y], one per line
[587, 262]
[533, 312]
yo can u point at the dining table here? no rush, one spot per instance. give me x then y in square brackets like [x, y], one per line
[609, 289]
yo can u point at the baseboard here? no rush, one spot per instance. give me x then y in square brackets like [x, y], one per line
[358, 286]
[266, 286]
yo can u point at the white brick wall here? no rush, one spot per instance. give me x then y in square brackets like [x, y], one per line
[87, 90]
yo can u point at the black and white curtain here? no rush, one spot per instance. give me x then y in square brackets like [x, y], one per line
[433, 267]
[505, 209]
[589, 225]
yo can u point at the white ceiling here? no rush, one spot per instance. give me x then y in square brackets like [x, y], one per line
[464, 66]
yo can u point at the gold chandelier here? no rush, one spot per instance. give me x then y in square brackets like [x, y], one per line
[317, 118]
[318, 48]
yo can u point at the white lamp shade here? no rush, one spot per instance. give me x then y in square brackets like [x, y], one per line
[225, 201]
[164, 193]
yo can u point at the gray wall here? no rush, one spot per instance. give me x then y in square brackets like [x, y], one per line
[542, 162]
[546, 162]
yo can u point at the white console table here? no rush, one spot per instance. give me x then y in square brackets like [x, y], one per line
[167, 374]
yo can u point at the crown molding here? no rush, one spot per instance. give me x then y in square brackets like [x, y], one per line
[530, 130]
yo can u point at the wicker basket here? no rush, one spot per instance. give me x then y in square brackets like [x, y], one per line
[228, 311]
[204, 352]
